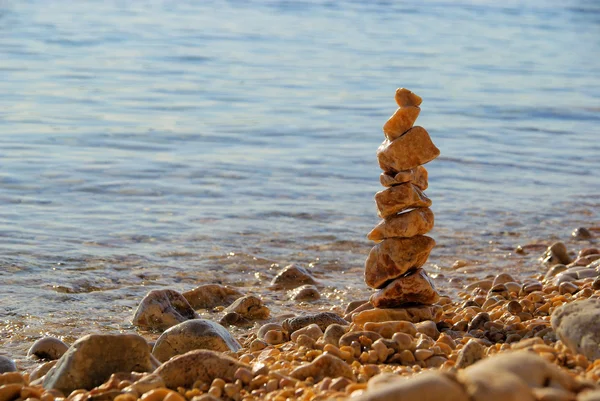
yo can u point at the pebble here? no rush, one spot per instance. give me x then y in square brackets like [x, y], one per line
[581, 233]
[333, 333]
[292, 276]
[49, 348]
[249, 307]
[556, 254]
[7, 364]
[323, 366]
[161, 309]
[312, 330]
[577, 324]
[193, 334]
[209, 296]
[198, 366]
[118, 353]
[307, 293]
[429, 328]
[472, 352]
[265, 328]
[321, 319]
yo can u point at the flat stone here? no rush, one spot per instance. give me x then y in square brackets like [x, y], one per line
[199, 365]
[7, 364]
[429, 386]
[292, 276]
[414, 314]
[325, 365]
[404, 225]
[161, 309]
[91, 360]
[412, 149]
[417, 176]
[209, 296]
[400, 122]
[415, 287]
[398, 198]
[404, 98]
[191, 335]
[49, 348]
[393, 257]
[249, 307]
[577, 324]
[321, 319]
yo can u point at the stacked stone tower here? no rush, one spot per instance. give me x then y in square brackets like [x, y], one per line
[393, 266]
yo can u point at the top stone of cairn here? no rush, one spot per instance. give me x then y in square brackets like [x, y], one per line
[405, 98]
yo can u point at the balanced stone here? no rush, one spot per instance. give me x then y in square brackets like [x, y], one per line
[400, 122]
[408, 224]
[414, 314]
[416, 176]
[415, 287]
[401, 197]
[404, 98]
[412, 149]
[393, 257]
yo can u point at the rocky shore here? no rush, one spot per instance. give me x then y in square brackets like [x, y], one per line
[501, 338]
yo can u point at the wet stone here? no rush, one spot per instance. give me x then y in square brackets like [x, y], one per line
[7, 364]
[393, 257]
[321, 319]
[581, 233]
[211, 295]
[117, 353]
[556, 254]
[399, 198]
[49, 348]
[249, 307]
[408, 224]
[292, 276]
[191, 335]
[305, 293]
[161, 309]
[553, 271]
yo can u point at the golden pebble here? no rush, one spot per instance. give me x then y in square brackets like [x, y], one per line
[122, 397]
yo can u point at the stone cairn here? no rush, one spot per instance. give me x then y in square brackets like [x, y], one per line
[393, 266]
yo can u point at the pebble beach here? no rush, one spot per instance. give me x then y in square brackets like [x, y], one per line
[189, 200]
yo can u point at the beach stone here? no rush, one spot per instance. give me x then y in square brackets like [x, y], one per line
[354, 335]
[249, 307]
[497, 385]
[398, 198]
[416, 176]
[145, 384]
[429, 386]
[234, 319]
[410, 150]
[414, 314]
[325, 365]
[333, 333]
[592, 395]
[47, 348]
[7, 364]
[91, 360]
[41, 370]
[414, 287]
[502, 278]
[553, 271]
[408, 224]
[400, 122]
[556, 254]
[265, 328]
[393, 257]
[321, 319]
[198, 365]
[161, 309]
[305, 292]
[405, 98]
[472, 352]
[312, 330]
[577, 324]
[588, 251]
[10, 392]
[209, 296]
[581, 233]
[553, 394]
[292, 276]
[388, 329]
[193, 334]
[429, 328]
[530, 368]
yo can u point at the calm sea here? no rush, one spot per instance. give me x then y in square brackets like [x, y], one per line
[155, 144]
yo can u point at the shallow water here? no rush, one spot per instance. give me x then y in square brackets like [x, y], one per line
[162, 144]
